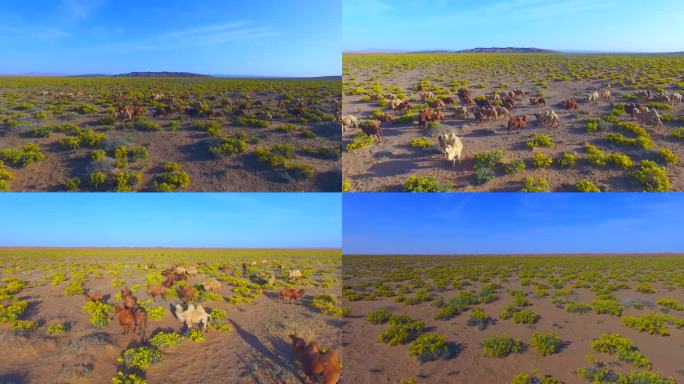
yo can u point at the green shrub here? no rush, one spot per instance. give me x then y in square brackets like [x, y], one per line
[611, 307]
[542, 160]
[532, 184]
[667, 156]
[97, 179]
[421, 143]
[540, 141]
[142, 357]
[70, 142]
[488, 159]
[287, 128]
[620, 160]
[121, 157]
[10, 313]
[651, 323]
[243, 121]
[592, 126]
[24, 106]
[100, 313]
[678, 133]
[128, 378]
[499, 346]
[617, 111]
[164, 339]
[515, 166]
[300, 170]
[24, 326]
[125, 180]
[381, 316]
[402, 330]
[44, 131]
[484, 175]
[648, 377]
[595, 156]
[567, 160]
[644, 288]
[670, 304]
[40, 115]
[58, 329]
[428, 347]
[98, 154]
[327, 304]
[478, 318]
[652, 177]
[423, 184]
[197, 336]
[612, 343]
[72, 184]
[173, 178]
[74, 288]
[138, 153]
[585, 185]
[546, 343]
[85, 109]
[229, 146]
[22, 156]
[145, 125]
[360, 140]
[577, 307]
[525, 317]
[662, 106]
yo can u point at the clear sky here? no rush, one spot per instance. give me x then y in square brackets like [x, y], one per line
[467, 223]
[587, 25]
[256, 37]
[230, 220]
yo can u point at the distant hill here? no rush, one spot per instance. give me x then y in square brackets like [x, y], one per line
[505, 50]
[472, 50]
[160, 74]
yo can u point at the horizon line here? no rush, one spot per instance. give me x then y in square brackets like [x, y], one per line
[148, 247]
[548, 51]
[42, 74]
[518, 254]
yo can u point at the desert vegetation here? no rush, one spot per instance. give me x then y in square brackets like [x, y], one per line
[607, 122]
[120, 133]
[514, 319]
[137, 315]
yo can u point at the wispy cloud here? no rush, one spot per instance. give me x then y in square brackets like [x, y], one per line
[367, 6]
[13, 32]
[202, 36]
[81, 9]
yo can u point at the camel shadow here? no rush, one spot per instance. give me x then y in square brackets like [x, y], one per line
[14, 378]
[275, 358]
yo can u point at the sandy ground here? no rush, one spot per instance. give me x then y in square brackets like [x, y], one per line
[258, 350]
[187, 146]
[386, 165]
[376, 362]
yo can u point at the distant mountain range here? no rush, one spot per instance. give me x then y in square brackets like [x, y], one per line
[166, 74]
[506, 50]
[160, 74]
[472, 50]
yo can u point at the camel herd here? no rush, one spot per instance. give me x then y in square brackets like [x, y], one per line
[493, 107]
[132, 318]
[128, 107]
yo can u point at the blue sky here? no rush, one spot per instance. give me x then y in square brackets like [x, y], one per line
[465, 223]
[261, 37]
[587, 25]
[231, 220]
